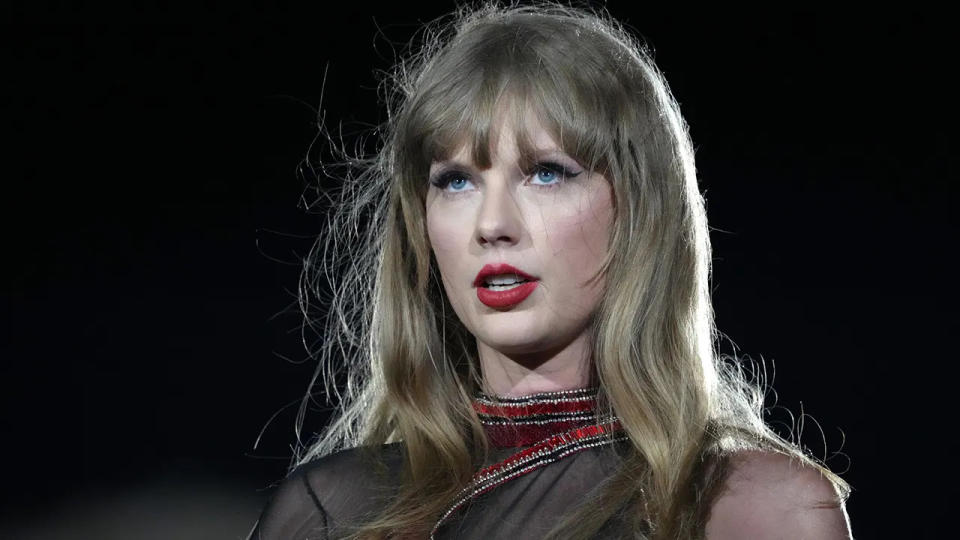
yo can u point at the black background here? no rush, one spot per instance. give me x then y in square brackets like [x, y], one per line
[152, 240]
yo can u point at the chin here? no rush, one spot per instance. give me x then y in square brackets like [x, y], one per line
[511, 339]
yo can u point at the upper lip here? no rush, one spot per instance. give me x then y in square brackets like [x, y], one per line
[497, 269]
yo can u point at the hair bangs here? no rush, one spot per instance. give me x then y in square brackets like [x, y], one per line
[513, 78]
[474, 122]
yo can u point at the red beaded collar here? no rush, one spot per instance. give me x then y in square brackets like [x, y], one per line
[525, 420]
[552, 425]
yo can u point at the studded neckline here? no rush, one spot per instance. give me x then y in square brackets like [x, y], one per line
[522, 421]
[545, 428]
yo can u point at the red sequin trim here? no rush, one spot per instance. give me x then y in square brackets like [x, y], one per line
[554, 442]
[515, 435]
[525, 420]
[528, 460]
[517, 410]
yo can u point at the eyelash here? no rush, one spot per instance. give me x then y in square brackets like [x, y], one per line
[443, 179]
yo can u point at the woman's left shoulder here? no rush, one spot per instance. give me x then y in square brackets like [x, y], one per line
[773, 495]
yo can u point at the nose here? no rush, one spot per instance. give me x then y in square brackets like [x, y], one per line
[498, 219]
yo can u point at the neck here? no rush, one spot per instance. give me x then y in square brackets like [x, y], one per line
[513, 375]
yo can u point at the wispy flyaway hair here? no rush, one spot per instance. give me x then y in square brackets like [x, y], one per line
[400, 366]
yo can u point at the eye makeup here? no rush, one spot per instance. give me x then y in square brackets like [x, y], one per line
[554, 170]
[444, 178]
[545, 169]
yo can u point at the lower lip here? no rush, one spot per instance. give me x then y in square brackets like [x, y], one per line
[507, 298]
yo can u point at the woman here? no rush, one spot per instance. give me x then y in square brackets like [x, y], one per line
[525, 314]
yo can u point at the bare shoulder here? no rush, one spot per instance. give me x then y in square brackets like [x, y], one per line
[769, 495]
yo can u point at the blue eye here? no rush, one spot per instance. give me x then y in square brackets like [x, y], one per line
[552, 174]
[454, 179]
[546, 175]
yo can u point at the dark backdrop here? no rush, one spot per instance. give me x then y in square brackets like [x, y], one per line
[152, 239]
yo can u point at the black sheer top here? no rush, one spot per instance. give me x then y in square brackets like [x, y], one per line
[547, 453]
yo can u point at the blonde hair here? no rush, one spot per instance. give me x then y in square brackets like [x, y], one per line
[407, 367]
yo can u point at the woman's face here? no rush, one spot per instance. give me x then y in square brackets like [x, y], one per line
[549, 219]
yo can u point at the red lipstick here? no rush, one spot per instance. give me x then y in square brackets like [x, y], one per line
[506, 297]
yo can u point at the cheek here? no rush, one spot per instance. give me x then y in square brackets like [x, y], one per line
[578, 235]
[579, 247]
[445, 234]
